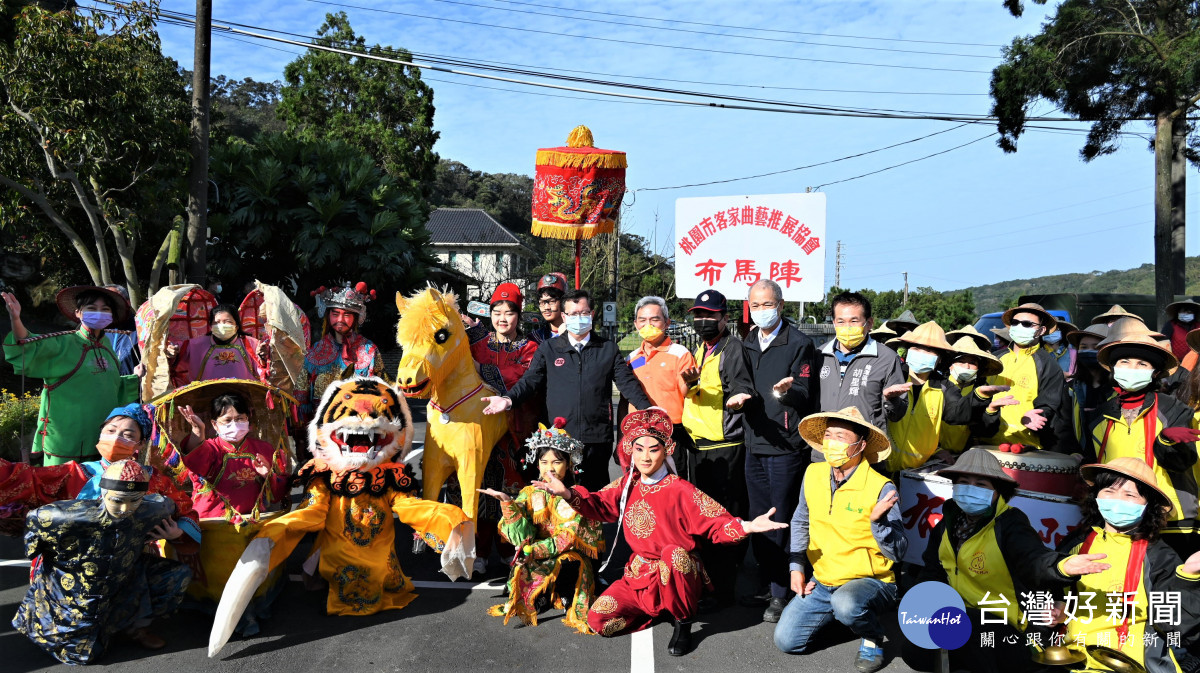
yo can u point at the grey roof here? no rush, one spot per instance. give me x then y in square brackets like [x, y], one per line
[467, 225]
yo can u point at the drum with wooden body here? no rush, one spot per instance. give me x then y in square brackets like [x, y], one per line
[1042, 471]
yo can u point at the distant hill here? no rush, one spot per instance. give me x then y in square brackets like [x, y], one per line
[994, 297]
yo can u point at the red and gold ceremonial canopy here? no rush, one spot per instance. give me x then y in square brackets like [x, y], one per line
[577, 189]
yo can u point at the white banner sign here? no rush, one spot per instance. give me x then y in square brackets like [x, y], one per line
[922, 496]
[728, 242]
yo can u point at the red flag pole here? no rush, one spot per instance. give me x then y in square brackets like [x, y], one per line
[578, 253]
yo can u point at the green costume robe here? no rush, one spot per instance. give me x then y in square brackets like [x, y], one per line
[83, 384]
[555, 534]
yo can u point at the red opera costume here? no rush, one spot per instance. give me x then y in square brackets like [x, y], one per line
[664, 575]
[663, 516]
[577, 189]
[228, 470]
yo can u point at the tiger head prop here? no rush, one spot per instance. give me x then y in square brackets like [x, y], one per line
[360, 423]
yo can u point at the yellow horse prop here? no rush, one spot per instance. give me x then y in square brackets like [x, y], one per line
[437, 365]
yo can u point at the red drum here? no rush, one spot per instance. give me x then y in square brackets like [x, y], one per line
[1042, 471]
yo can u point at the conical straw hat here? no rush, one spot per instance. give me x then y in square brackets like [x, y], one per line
[812, 430]
[1124, 328]
[1142, 344]
[989, 365]
[1115, 313]
[1048, 321]
[978, 337]
[927, 335]
[1098, 329]
[902, 323]
[1127, 466]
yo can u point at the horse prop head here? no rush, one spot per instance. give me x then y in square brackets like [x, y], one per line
[435, 343]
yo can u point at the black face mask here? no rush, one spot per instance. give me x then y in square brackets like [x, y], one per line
[707, 328]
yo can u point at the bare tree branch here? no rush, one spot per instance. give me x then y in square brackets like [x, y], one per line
[1117, 33]
[39, 199]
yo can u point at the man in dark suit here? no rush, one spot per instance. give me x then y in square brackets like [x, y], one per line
[578, 369]
[781, 361]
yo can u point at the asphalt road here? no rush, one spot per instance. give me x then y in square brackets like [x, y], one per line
[445, 629]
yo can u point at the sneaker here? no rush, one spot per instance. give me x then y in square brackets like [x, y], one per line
[774, 609]
[480, 567]
[870, 657]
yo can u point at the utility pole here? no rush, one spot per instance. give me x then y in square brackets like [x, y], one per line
[197, 225]
[837, 266]
[1179, 130]
[616, 287]
[905, 302]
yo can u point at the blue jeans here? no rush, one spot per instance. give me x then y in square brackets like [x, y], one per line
[856, 604]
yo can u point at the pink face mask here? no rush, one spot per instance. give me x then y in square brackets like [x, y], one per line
[233, 432]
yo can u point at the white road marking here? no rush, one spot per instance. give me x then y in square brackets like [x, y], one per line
[422, 584]
[641, 659]
[15, 562]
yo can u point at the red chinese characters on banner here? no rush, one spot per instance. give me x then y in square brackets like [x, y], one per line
[750, 216]
[785, 273]
[710, 271]
[744, 271]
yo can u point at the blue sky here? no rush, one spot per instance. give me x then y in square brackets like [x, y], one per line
[973, 215]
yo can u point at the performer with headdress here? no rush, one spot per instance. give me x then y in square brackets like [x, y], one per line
[341, 347]
[124, 435]
[90, 579]
[662, 515]
[81, 371]
[554, 544]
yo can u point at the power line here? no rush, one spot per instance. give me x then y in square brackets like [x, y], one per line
[1001, 234]
[707, 32]
[821, 110]
[487, 62]
[647, 44]
[750, 28]
[801, 168]
[466, 84]
[943, 232]
[911, 161]
[1029, 127]
[1018, 245]
[758, 105]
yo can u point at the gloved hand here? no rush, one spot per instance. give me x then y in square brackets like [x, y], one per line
[1178, 435]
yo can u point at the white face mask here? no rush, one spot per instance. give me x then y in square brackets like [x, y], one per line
[1132, 379]
[233, 432]
[1023, 336]
[765, 318]
[962, 375]
[1186, 317]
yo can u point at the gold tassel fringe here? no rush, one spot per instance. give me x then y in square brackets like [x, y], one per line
[553, 157]
[568, 232]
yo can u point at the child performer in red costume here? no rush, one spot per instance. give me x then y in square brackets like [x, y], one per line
[662, 516]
